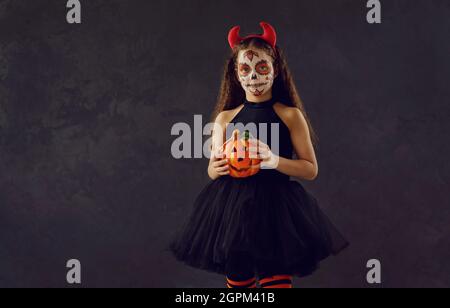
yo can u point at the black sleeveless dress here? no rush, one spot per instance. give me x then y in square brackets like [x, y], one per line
[267, 216]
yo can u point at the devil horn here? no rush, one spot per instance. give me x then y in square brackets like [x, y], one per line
[269, 35]
[233, 36]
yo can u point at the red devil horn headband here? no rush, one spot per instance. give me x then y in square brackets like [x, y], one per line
[269, 35]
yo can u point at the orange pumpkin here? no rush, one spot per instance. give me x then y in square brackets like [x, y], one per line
[241, 165]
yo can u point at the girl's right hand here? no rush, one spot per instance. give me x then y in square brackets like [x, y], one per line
[220, 162]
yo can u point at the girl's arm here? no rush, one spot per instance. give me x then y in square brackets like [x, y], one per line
[306, 166]
[217, 164]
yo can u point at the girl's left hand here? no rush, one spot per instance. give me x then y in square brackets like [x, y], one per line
[263, 152]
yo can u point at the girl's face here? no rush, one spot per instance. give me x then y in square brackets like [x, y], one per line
[255, 71]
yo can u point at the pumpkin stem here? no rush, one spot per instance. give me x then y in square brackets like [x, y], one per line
[246, 135]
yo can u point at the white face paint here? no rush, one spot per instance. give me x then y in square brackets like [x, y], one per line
[255, 71]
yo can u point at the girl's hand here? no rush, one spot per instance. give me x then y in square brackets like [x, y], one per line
[263, 152]
[220, 162]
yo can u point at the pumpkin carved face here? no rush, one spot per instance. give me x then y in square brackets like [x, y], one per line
[241, 165]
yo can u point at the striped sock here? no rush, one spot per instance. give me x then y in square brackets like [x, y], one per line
[249, 284]
[276, 281]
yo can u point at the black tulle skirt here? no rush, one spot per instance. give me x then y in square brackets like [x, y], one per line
[276, 223]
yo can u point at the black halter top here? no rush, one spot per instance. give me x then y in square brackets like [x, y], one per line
[264, 123]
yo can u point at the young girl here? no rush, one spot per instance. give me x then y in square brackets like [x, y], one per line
[263, 227]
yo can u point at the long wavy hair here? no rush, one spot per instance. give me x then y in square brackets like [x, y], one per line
[231, 93]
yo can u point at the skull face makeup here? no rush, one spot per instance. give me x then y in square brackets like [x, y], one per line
[255, 71]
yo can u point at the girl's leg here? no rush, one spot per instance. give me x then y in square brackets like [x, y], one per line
[240, 282]
[239, 272]
[276, 281]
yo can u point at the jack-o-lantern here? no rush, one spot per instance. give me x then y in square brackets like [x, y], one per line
[237, 150]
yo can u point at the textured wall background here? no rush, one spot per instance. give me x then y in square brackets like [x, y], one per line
[86, 112]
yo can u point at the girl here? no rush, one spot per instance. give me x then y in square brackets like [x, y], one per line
[263, 227]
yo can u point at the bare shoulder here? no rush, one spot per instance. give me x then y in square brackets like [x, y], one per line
[226, 116]
[291, 116]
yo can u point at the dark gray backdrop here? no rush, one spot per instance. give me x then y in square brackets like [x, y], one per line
[86, 112]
